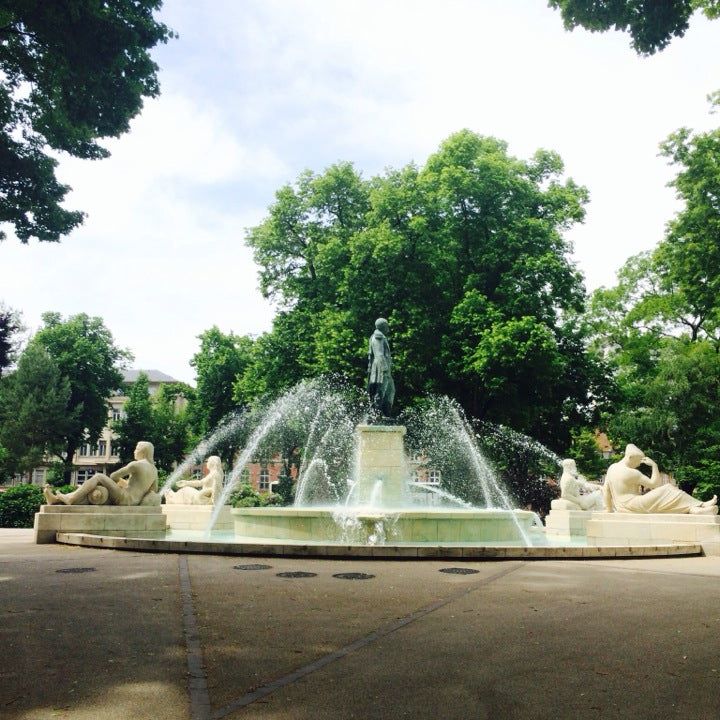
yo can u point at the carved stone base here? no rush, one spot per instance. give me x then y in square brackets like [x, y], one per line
[567, 523]
[196, 517]
[381, 471]
[116, 520]
[635, 528]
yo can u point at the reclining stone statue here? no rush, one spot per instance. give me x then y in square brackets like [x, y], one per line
[206, 491]
[134, 484]
[571, 486]
[623, 483]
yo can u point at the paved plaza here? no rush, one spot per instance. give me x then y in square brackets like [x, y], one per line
[100, 634]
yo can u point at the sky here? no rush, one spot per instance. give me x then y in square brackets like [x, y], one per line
[256, 91]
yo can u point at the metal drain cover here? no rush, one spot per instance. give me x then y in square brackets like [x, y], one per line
[459, 571]
[353, 576]
[296, 574]
[252, 567]
[75, 570]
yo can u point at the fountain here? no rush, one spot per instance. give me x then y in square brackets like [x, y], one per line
[355, 483]
[368, 485]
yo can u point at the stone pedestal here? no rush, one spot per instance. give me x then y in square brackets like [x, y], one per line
[655, 528]
[196, 517]
[122, 520]
[381, 469]
[567, 524]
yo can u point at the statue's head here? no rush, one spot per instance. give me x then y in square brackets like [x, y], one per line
[569, 465]
[633, 456]
[214, 463]
[144, 450]
[381, 324]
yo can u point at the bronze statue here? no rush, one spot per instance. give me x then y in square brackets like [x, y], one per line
[381, 387]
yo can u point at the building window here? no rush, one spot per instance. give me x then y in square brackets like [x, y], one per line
[84, 450]
[116, 414]
[82, 475]
[93, 450]
[114, 451]
[264, 484]
[102, 448]
[434, 477]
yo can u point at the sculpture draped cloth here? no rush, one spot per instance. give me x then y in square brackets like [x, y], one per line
[664, 499]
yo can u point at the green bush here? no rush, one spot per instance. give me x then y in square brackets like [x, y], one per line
[65, 489]
[18, 506]
[245, 496]
[56, 475]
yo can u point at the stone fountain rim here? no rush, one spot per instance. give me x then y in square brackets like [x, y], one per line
[378, 552]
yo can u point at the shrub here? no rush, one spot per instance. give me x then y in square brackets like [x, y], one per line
[56, 475]
[245, 496]
[18, 506]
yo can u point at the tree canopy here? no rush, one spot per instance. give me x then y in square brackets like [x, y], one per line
[34, 410]
[652, 24]
[10, 328]
[71, 73]
[467, 260]
[659, 327]
[86, 354]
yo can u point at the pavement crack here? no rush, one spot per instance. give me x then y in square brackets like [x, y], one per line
[197, 679]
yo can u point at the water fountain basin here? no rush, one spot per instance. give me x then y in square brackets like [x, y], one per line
[378, 527]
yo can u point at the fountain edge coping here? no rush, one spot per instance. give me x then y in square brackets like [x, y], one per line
[379, 552]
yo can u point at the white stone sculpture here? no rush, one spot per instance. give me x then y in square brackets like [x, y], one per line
[134, 484]
[623, 482]
[206, 491]
[572, 485]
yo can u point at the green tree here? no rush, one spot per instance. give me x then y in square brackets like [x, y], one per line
[652, 24]
[34, 412]
[659, 327]
[159, 419]
[221, 360]
[71, 73]
[10, 328]
[464, 256]
[170, 423]
[137, 423]
[87, 356]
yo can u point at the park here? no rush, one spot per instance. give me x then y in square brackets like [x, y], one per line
[436, 430]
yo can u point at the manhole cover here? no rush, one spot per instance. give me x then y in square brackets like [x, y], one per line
[296, 574]
[252, 567]
[75, 570]
[459, 571]
[353, 576]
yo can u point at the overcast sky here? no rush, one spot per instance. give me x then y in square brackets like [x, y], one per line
[255, 91]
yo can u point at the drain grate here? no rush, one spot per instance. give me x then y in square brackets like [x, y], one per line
[252, 567]
[459, 571]
[75, 570]
[353, 576]
[296, 574]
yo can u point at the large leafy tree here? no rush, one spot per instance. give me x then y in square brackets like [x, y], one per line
[659, 326]
[10, 328]
[220, 361]
[467, 260]
[71, 73]
[86, 354]
[652, 24]
[160, 419]
[34, 412]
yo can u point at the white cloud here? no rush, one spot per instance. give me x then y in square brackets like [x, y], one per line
[255, 91]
